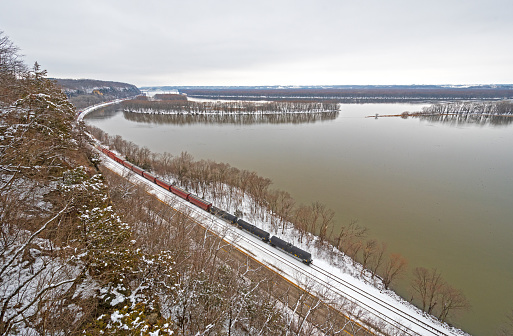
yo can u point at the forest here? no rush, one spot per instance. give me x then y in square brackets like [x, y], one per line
[83, 251]
[355, 94]
[87, 92]
[237, 119]
[313, 223]
[497, 113]
[179, 106]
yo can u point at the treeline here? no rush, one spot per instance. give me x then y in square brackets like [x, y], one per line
[238, 119]
[245, 193]
[480, 113]
[206, 289]
[69, 265]
[232, 107]
[170, 96]
[462, 119]
[87, 92]
[356, 94]
[501, 108]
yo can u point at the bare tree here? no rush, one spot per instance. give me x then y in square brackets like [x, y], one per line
[322, 218]
[394, 267]
[452, 301]
[376, 262]
[436, 296]
[302, 218]
[25, 292]
[11, 68]
[350, 235]
[368, 252]
[427, 284]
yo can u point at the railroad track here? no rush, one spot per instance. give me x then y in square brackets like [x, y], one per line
[289, 267]
[377, 301]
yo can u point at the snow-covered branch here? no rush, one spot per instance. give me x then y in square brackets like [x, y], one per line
[29, 241]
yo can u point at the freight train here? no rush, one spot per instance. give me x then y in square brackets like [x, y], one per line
[274, 241]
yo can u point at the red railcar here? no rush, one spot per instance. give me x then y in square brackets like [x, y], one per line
[179, 192]
[162, 184]
[203, 204]
[148, 176]
[137, 170]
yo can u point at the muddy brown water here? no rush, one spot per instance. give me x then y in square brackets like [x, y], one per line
[439, 193]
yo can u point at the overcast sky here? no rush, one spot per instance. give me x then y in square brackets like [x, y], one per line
[267, 42]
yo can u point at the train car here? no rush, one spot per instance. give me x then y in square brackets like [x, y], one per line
[137, 170]
[179, 192]
[304, 256]
[244, 225]
[223, 214]
[162, 184]
[203, 204]
[148, 176]
[216, 211]
[264, 235]
[107, 152]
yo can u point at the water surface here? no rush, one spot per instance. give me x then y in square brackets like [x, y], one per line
[440, 193]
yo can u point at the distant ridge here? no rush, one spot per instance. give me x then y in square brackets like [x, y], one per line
[260, 87]
[348, 93]
[86, 92]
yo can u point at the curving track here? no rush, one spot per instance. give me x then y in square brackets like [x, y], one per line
[375, 305]
[296, 272]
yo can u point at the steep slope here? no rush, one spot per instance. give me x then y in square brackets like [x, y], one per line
[86, 92]
[70, 265]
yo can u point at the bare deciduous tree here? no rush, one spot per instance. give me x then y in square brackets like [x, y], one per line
[452, 302]
[436, 296]
[368, 252]
[394, 267]
[427, 284]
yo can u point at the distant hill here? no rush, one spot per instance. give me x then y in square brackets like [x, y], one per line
[348, 93]
[86, 92]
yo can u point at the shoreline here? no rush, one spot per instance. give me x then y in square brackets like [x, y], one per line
[183, 112]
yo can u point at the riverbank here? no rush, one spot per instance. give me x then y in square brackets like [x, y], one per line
[409, 189]
[269, 223]
[327, 257]
[183, 106]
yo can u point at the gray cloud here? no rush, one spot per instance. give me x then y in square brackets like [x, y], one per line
[266, 42]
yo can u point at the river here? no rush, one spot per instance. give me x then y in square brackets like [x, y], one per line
[439, 193]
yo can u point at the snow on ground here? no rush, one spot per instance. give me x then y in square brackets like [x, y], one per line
[332, 276]
[335, 278]
[89, 109]
[31, 276]
[152, 92]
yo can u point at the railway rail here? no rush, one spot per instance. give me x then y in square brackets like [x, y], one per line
[290, 267]
[378, 308]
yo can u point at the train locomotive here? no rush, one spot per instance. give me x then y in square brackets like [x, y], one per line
[205, 205]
